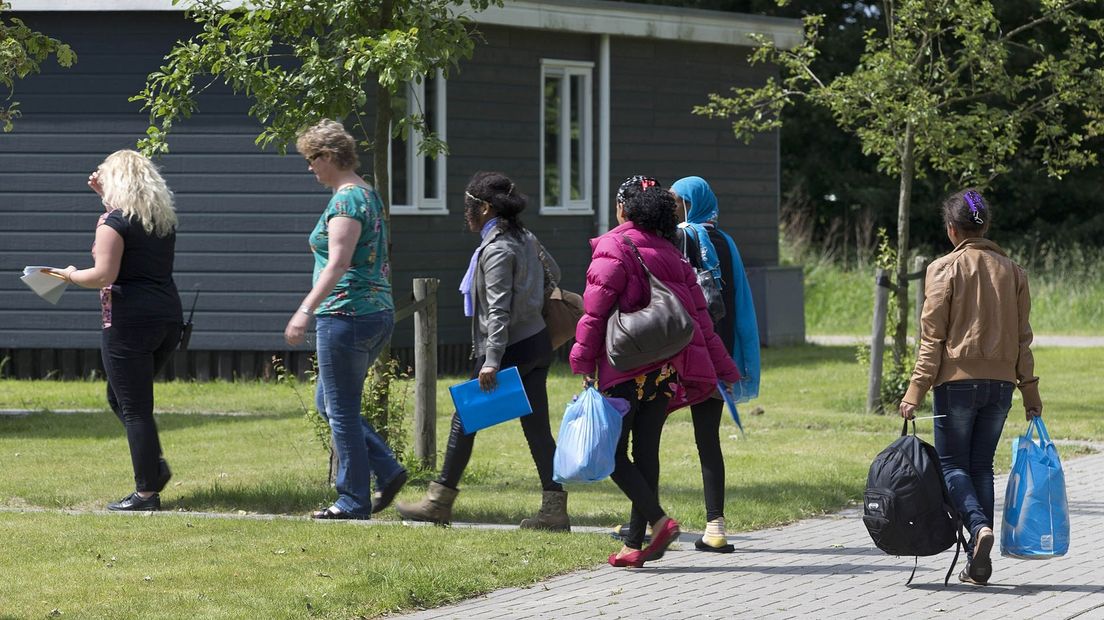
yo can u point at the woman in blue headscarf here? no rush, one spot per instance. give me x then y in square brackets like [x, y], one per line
[737, 328]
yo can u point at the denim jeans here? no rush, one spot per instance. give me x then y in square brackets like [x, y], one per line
[132, 356]
[346, 347]
[966, 440]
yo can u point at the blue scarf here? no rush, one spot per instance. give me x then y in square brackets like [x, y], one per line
[701, 217]
[466, 283]
[701, 214]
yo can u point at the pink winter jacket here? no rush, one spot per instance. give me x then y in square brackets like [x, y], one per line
[615, 277]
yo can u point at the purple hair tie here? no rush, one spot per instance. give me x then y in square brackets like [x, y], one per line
[973, 200]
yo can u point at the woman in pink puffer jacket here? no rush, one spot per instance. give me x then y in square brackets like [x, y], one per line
[646, 213]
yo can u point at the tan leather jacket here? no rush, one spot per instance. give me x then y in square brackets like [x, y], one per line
[975, 322]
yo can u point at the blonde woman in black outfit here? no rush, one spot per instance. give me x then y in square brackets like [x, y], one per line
[133, 254]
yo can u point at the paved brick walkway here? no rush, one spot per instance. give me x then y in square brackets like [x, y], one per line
[826, 568]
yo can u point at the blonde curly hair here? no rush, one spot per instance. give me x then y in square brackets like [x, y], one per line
[131, 182]
[329, 136]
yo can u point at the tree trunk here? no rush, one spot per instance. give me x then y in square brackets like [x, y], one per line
[381, 154]
[908, 169]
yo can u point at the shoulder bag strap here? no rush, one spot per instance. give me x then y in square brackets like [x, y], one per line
[637, 253]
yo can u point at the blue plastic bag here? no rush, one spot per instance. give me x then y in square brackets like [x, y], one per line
[1036, 513]
[587, 444]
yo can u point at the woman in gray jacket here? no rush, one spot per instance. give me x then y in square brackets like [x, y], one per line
[504, 290]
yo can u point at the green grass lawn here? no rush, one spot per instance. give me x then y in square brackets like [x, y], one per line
[1063, 302]
[806, 454]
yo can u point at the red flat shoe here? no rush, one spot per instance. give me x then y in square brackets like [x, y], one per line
[660, 541]
[632, 559]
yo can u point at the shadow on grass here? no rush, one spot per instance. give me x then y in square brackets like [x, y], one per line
[274, 497]
[102, 425]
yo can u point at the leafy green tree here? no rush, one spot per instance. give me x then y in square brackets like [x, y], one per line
[946, 87]
[303, 60]
[22, 52]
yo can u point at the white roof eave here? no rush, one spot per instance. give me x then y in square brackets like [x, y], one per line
[581, 16]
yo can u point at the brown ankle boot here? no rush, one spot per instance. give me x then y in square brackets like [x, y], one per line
[435, 507]
[552, 515]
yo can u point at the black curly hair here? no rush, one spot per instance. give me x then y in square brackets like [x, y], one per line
[968, 212]
[497, 190]
[651, 208]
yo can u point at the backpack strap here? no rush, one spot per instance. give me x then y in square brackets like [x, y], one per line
[959, 544]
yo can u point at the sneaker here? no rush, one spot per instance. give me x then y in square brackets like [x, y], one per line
[135, 503]
[980, 567]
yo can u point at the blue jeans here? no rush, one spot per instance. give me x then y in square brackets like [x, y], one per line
[346, 346]
[966, 440]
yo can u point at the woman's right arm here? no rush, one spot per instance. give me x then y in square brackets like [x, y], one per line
[606, 282]
[1025, 362]
[933, 336]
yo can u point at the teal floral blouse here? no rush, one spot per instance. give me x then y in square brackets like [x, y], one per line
[366, 287]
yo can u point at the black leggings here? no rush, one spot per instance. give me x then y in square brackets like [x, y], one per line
[707, 424]
[132, 356]
[532, 356]
[638, 479]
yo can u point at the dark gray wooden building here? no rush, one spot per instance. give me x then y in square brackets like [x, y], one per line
[568, 97]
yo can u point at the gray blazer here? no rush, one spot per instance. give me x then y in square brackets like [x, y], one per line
[508, 292]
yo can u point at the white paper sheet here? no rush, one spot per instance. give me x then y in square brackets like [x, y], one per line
[45, 285]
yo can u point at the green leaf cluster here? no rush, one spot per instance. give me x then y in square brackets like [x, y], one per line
[303, 60]
[22, 52]
[974, 90]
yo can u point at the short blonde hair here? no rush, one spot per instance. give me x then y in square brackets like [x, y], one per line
[131, 182]
[329, 136]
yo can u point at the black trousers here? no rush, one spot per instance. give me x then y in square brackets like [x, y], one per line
[532, 356]
[707, 423]
[638, 478]
[132, 356]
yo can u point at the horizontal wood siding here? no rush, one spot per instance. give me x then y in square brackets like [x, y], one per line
[655, 85]
[245, 213]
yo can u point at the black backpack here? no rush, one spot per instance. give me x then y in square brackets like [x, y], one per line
[906, 507]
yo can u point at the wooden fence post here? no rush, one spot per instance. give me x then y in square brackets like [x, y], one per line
[425, 372]
[882, 286]
[919, 267]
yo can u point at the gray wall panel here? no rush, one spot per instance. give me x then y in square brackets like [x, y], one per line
[245, 213]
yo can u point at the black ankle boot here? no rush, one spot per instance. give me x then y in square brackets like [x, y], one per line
[136, 503]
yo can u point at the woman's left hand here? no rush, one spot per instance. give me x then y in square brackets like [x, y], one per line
[487, 378]
[296, 330]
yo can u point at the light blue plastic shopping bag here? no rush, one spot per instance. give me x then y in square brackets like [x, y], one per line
[587, 444]
[478, 409]
[1036, 513]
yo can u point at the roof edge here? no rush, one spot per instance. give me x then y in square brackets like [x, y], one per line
[581, 16]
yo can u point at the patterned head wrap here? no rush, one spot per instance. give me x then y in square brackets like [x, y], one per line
[639, 179]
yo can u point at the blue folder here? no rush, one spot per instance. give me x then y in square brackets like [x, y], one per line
[478, 409]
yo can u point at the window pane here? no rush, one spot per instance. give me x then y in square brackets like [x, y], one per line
[578, 135]
[553, 86]
[429, 109]
[399, 174]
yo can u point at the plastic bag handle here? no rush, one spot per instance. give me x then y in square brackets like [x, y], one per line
[1037, 424]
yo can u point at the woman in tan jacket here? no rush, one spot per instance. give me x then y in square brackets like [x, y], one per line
[974, 349]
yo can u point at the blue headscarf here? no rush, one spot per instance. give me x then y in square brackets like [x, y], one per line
[701, 217]
[701, 210]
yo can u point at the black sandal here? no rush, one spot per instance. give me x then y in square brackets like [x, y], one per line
[333, 512]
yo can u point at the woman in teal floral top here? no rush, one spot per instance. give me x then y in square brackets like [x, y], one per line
[350, 301]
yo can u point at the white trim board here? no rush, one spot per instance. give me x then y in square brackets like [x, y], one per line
[584, 16]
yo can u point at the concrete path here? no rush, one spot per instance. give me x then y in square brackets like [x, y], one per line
[826, 568]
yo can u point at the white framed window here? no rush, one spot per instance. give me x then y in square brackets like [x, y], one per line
[418, 180]
[566, 143]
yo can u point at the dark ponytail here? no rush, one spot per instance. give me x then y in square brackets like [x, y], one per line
[967, 212]
[497, 190]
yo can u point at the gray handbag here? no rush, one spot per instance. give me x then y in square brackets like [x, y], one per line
[655, 332]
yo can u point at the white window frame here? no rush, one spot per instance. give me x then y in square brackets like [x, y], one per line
[568, 69]
[415, 162]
